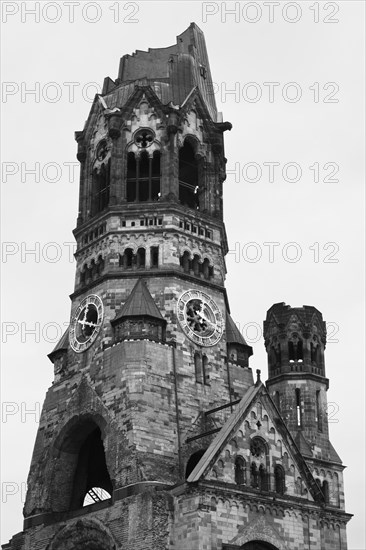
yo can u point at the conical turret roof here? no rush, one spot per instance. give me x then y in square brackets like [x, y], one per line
[140, 303]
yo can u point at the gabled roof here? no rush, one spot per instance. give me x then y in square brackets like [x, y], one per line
[233, 334]
[62, 344]
[140, 303]
[224, 434]
[232, 424]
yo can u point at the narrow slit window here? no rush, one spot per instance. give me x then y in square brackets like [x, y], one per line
[205, 375]
[298, 406]
[319, 419]
[198, 368]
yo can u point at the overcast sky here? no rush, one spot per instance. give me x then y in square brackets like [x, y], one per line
[295, 71]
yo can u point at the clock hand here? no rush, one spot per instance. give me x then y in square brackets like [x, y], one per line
[205, 319]
[85, 314]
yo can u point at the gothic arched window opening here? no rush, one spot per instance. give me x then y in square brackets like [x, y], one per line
[188, 176]
[295, 350]
[193, 461]
[196, 265]
[185, 262]
[325, 488]
[279, 474]
[101, 184]
[263, 486]
[141, 257]
[126, 260]
[91, 469]
[154, 256]
[143, 177]
[240, 471]
[314, 351]
[254, 476]
[79, 466]
[100, 266]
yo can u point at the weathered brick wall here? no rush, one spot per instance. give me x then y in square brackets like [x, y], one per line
[212, 518]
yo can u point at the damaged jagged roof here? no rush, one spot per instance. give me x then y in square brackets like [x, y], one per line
[172, 72]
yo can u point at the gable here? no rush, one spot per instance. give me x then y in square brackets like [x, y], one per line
[257, 439]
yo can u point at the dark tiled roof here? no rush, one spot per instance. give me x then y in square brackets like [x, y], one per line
[62, 344]
[233, 334]
[140, 303]
[334, 456]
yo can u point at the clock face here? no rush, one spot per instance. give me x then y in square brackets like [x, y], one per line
[200, 318]
[86, 323]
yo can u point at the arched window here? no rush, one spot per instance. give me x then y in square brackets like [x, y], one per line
[100, 266]
[143, 177]
[196, 265]
[240, 471]
[155, 176]
[193, 461]
[126, 260]
[198, 368]
[80, 466]
[141, 257]
[91, 470]
[299, 351]
[185, 262]
[295, 350]
[206, 269]
[88, 274]
[279, 474]
[93, 268]
[291, 351]
[83, 275]
[263, 486]
[325, 488]
[313, 352]
[154, 256]
[254, 475]
[131, 177]
[188, 176]
[205, 376]
[100, 193]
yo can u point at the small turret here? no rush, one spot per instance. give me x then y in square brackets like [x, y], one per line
[295, 340]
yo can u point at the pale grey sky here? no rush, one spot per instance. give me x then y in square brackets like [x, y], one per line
[318, 63]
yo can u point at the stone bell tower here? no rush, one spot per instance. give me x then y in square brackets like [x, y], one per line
[153, 434]
[295, 340]
[146, 352]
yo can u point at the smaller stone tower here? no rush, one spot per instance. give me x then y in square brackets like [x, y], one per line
[295, 340]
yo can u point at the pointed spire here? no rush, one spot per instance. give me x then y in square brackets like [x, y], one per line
[62, 345]
[233, 334]
[140, 303]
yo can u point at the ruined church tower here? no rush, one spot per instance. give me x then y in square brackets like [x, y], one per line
[154, 434]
